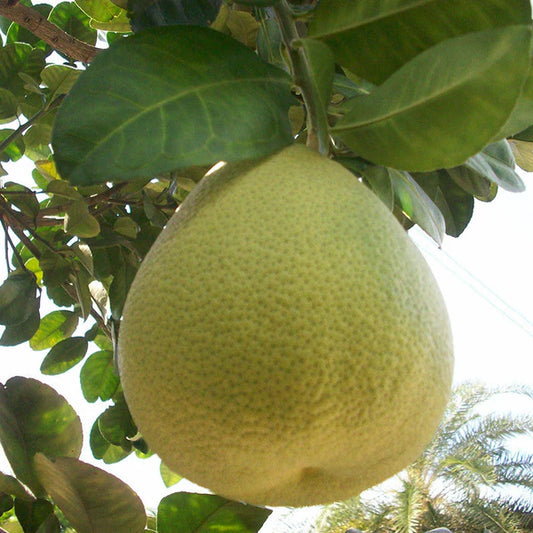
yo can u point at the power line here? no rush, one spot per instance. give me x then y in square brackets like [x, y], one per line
[480, 288]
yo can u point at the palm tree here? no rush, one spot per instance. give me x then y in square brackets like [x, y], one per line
[470, 478]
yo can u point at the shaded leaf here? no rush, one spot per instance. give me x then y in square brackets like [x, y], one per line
[98, 377]
[18, 297]
[116, 424]
[103, 449]
[12, 486]
[374, 39]
[8, 105]
[54, 327]
[137, 112]
[22, 197]
[70, 18]
[455, 204]
[169, 12]
[35, 418]
[184, 512]
[22, 332]
[77, 489]
[59, 79]
[15, 59]
[64, 355]
[36, 516]
[500, 157]
[466, 88]
[78, 221]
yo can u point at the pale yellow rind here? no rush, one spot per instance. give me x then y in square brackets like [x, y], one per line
[284, 342]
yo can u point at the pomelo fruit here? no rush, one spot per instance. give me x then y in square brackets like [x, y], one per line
[284, 342]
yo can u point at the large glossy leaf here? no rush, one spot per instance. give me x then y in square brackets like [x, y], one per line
[91, 499]
[443, 106]
[184, 512]
[170, 97]
[374, 39]
[35, 418]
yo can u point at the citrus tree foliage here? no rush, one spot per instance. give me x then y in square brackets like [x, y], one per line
[122, 106]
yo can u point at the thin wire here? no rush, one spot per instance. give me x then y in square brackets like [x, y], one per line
[507, 310]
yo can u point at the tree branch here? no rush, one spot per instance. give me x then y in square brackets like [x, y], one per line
[61, 41]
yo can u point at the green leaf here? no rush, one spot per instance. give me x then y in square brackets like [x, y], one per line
[465, 90]
[78, 221]
[138, 112]
[455, 204]
[21, 197]
[37, 140]
[78, 489]
[35, 418]
[417, 205]
[70, 18]
[168, 476]
[105, 15]
[8, 105]
[54, 327]
[116, 424]
[500, 157]
[37, 516]
[184, 512]
[102, 449]
[523, 152]
[98, 377]
[374, 39]
[18, 297]
[169, 12]
[14, 150]
[15, 59]
[12, 486]
[118, 291]
[59, 79]
[19, 333]
[64, 355]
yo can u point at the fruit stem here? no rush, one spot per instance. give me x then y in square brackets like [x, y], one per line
[317, 123]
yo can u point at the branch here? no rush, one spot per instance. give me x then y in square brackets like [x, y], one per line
[61, 41]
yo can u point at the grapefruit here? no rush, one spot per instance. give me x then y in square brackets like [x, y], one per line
[284, 342]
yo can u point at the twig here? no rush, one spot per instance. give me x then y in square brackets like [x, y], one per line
[23, 127]
[317, 124]
[57, 38]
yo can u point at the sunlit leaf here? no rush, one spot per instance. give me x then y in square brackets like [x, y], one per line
[98, 377]
[35, 418]
[465, 89]
[374, 39]
[168, 476]
[54, 327]
[64, 355]
[184, 512]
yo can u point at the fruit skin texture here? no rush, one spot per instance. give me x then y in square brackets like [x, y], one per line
[284, 342]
